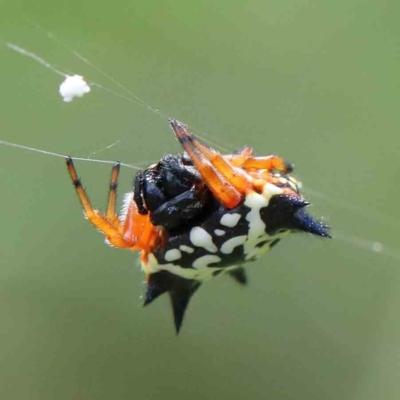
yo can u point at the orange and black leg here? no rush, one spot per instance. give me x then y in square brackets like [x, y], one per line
[136, 233]
[111, 214]
[245, 159]
[104, 223]
[228, 184]
[269, 163]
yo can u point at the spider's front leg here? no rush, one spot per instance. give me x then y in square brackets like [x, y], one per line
[228, 183]
[136, 231]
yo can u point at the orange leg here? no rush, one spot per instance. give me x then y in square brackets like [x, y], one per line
[109, 224]
[269, 162]
[227, 183]
[245, 160]
[139, 230]
[112, 198]
[237, 160]
[235, 176]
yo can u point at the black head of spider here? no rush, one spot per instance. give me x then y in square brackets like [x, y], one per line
[286, 212]
[172, 192]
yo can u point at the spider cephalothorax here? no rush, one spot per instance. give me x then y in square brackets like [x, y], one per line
[200, 214]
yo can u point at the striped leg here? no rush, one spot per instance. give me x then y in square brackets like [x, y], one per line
[228, 184]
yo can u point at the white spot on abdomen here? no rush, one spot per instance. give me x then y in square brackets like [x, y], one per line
[219, 232]
[230, 220]
[270, 190]
[186, 249]
[172, 255]
[205, 261]
[255, 202]
[201, 238]
[199, 272]
[284, 181]
[229, 245]
[257, 232]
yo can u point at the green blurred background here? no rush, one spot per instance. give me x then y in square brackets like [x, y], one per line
[316, 82]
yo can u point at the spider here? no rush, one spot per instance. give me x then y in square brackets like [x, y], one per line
[200, 214]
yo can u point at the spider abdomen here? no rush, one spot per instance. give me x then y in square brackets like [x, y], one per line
[226, 239]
